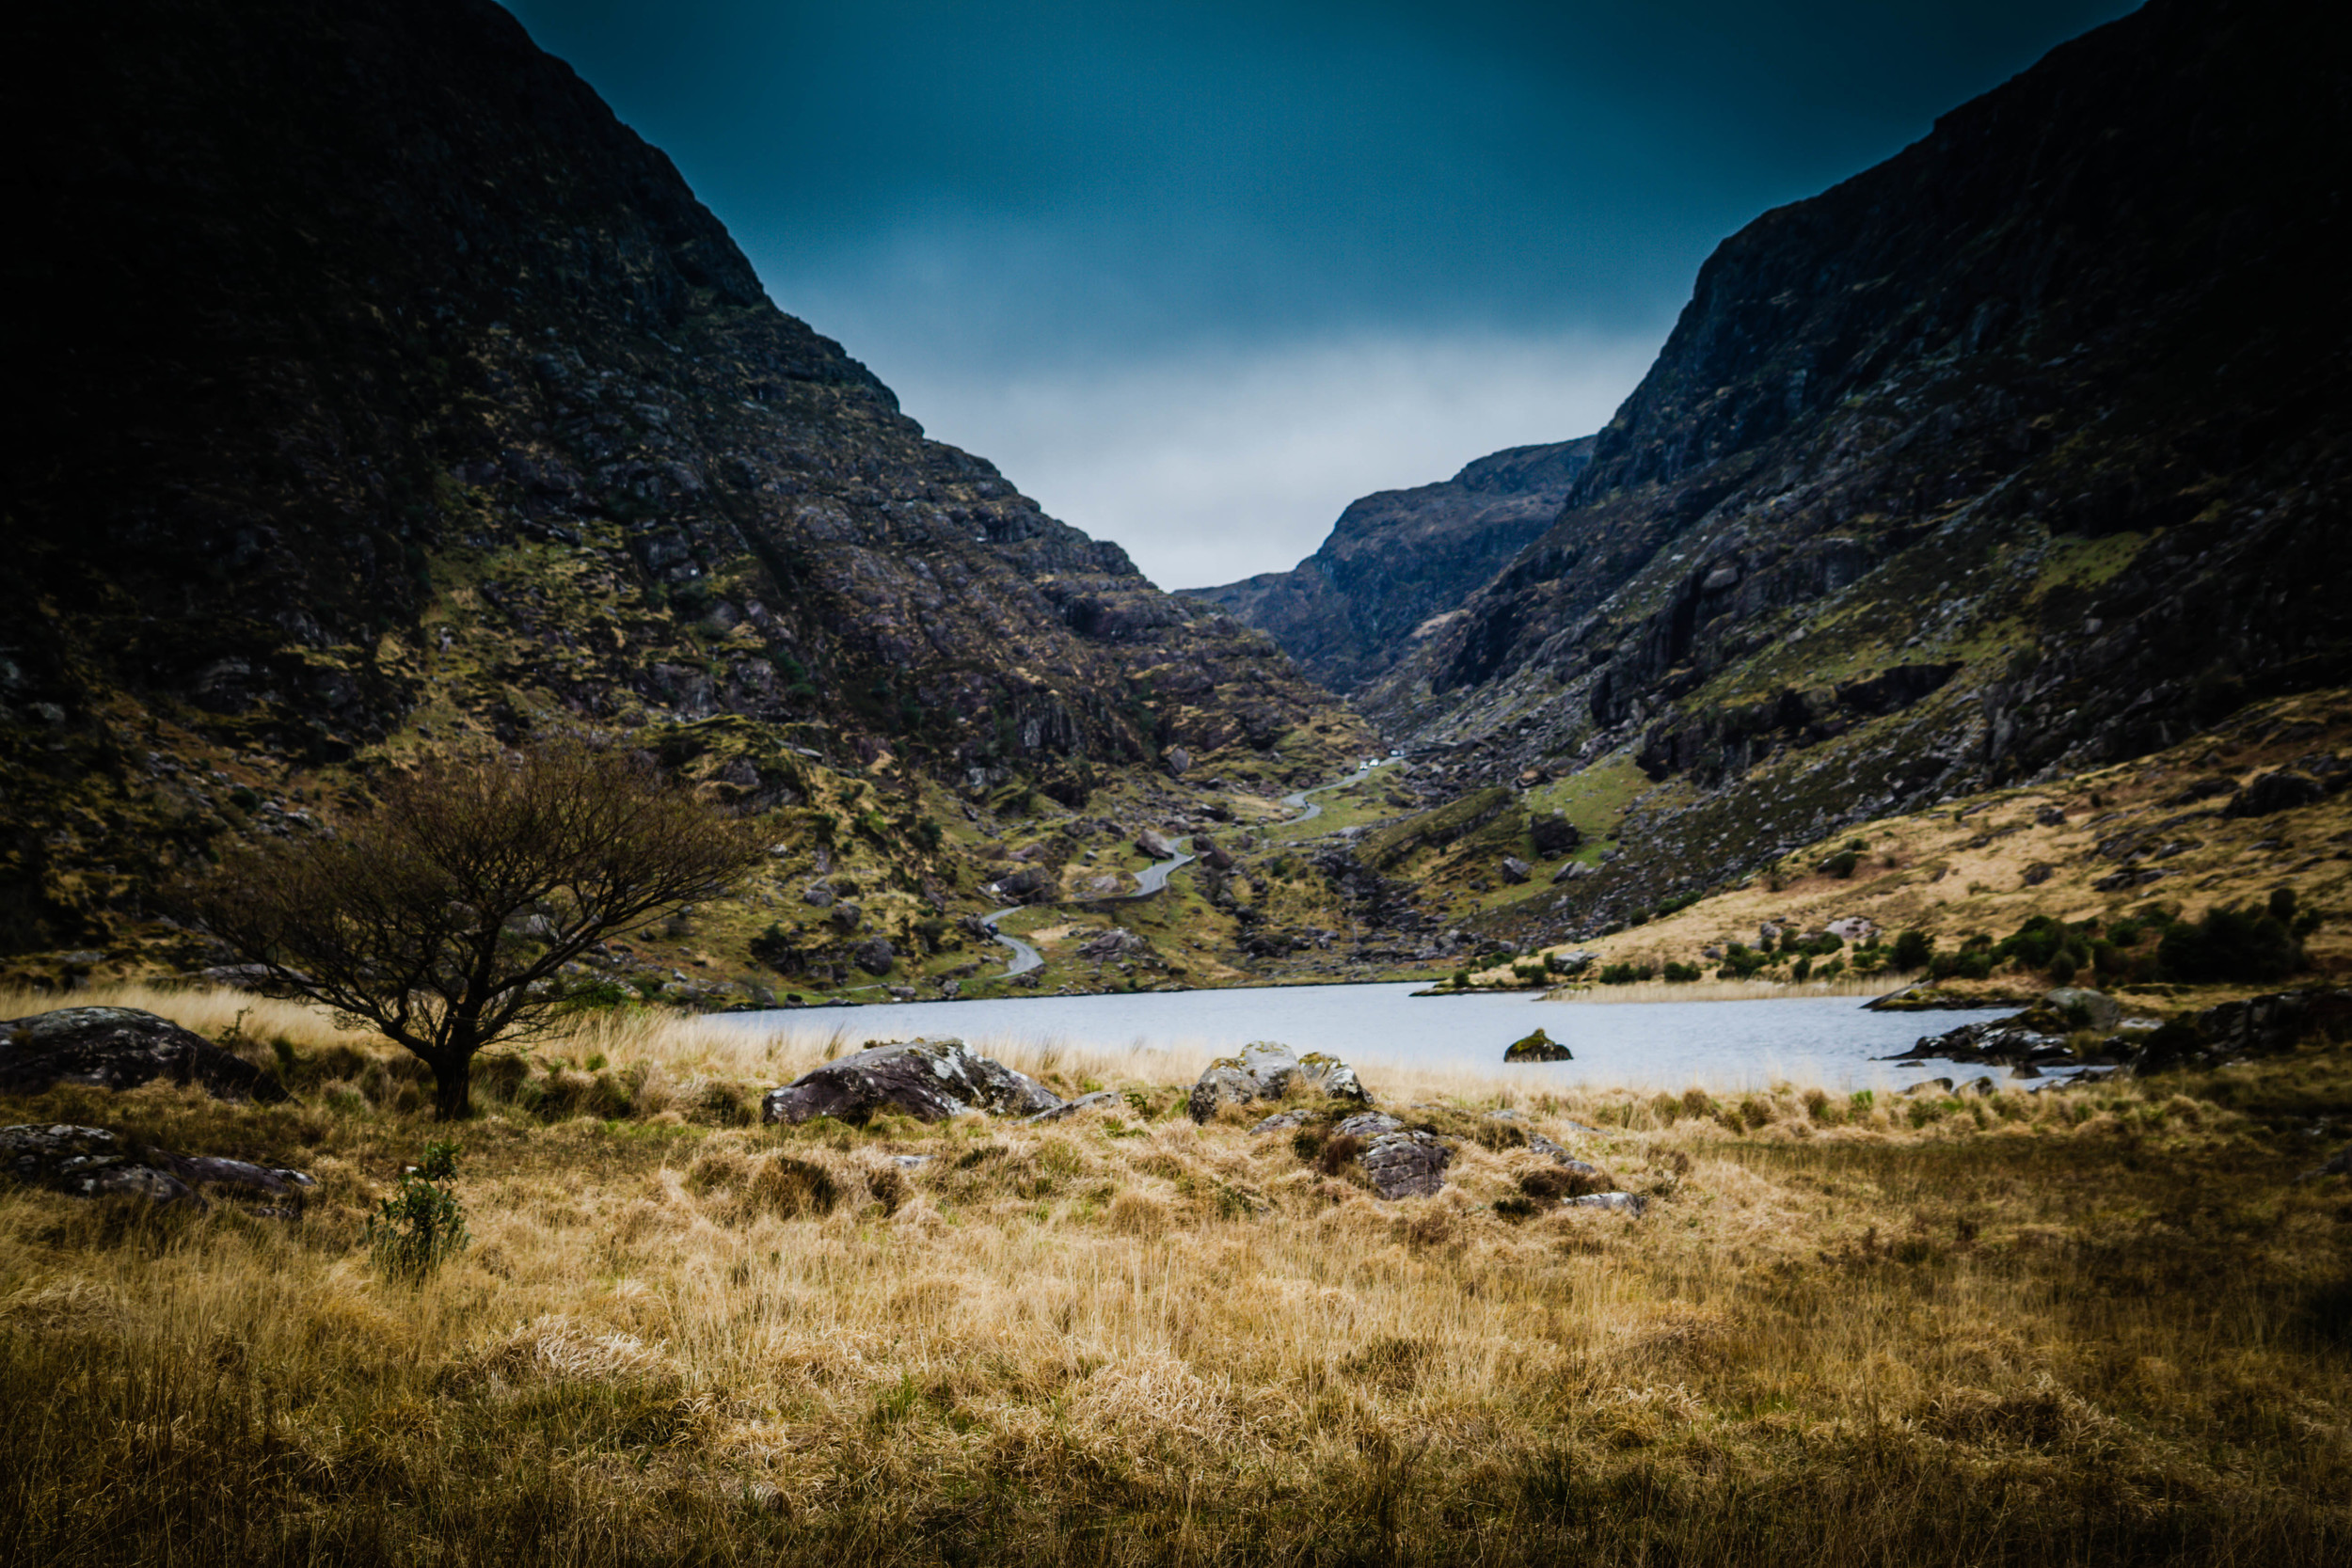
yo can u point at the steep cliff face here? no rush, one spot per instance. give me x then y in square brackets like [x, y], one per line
[1399, 560]
[2024, 450]
[384, 387]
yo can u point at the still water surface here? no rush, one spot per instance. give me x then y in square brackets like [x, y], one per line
[1651, 1045]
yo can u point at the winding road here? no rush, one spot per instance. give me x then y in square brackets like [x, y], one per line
[1152, 878]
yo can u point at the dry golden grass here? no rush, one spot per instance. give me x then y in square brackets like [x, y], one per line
[2102, 1324]
[1730, 991]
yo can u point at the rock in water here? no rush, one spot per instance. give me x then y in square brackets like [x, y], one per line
[120, 1048]
[1538, 1047]
[1266, 1069]
[1406, 1164]
[928, 1080]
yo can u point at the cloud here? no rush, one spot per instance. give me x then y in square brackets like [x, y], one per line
[1218, 465]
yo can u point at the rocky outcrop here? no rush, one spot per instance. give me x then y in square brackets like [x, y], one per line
[928, 1080]
[1834, 557]
[1399, 558]
[98, 1161]
[120, 1048]
[1268, 1071]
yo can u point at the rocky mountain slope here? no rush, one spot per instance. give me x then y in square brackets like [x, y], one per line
[1399, 562]
[386, 390]
[2022, 453]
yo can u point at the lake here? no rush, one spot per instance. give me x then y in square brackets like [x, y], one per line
[1653, 1045]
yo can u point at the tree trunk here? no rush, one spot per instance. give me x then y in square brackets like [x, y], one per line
[452, 1087]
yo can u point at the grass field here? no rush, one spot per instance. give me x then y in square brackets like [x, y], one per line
[2104, 1324]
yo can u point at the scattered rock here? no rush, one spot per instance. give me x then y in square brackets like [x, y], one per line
[1280, 1121]
[119, 1048]
[1624, 1203]
[1117, 942]
[2049, 816]
[929, 1080]
[2039, 873]
[2123, 881]
[1538, 1047]
[1569, 871]
[1406, 1164]
[1100, 1099]
[1266, 1069]
[96, 1162]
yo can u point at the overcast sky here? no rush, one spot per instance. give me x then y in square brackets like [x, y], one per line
[1195, 276]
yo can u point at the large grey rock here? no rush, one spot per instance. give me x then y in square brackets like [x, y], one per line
[928, 1080]
[1266, 1069]
[120, 1048]
[1368, 1125]
[1152, 843]
[98, 1161]
[1406, 1164]
[2101, 1010]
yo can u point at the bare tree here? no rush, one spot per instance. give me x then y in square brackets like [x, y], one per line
[445, 916]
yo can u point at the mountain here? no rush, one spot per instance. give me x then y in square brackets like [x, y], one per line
[1398, 561]
[2024, 452]
[380, 388]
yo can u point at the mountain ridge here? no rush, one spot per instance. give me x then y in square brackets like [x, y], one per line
[2013, 454]
[393, 393]
[1396, 558]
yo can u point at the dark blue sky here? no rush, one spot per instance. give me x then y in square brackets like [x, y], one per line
[1197, 275]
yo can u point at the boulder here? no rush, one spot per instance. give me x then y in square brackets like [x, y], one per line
[1367, 1125]
[1152, 843]
[1537, 1047]
[928, 1080]
[119, 1048]
[2280, 791]
[1569, 871]
[1212, 855]
[1853, 928]
[1280, 1122]
[875, 956]
[98, 1161]
[1515, 870]
[1266, 1069]
[2099, 1010]
[1117, 942]
[1406, 1164]
[1553, 835]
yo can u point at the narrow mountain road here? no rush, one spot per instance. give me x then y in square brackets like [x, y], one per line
[1153, 877]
